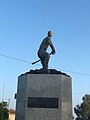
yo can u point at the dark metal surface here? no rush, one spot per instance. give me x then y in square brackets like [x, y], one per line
[40, 102]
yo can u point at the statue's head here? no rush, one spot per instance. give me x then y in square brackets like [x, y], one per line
[50, 33]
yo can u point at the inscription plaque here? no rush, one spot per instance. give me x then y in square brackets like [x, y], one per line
[40, 102]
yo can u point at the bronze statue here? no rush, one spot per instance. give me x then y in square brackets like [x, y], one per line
[42, 54]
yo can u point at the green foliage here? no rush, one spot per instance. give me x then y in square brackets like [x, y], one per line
[83, 111]
[3, 111]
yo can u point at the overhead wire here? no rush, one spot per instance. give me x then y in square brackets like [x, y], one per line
[10, 57]
[14, 58]
[18, 59]
[76, 72]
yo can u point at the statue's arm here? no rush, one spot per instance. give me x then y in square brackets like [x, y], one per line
[51, 45]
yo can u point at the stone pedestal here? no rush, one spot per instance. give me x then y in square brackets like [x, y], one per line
[44, 97]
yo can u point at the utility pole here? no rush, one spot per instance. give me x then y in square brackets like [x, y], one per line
[8, 103]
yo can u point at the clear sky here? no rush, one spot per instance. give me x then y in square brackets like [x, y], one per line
[23, 25]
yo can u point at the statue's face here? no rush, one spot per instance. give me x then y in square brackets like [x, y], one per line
[50, 34]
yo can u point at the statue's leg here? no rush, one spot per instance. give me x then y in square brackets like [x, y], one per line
[46, 60]
[42, 61]
[41, 55]
[44, 57]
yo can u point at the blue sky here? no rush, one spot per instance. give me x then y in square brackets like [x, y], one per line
[23, 25]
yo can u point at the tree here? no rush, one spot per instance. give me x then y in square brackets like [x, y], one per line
[83, 111]
[3, 111]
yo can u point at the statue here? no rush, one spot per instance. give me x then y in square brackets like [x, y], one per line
[45, 56]
[42, 54]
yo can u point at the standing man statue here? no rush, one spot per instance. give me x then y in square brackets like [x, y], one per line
[42, 54]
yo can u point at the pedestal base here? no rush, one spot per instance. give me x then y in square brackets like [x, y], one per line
[44, 97]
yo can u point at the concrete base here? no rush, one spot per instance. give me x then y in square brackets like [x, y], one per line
[44, 97]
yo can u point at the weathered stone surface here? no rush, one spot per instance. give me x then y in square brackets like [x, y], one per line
[42, 71]
[44, 86]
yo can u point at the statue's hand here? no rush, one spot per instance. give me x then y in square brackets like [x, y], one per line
[53, 52]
